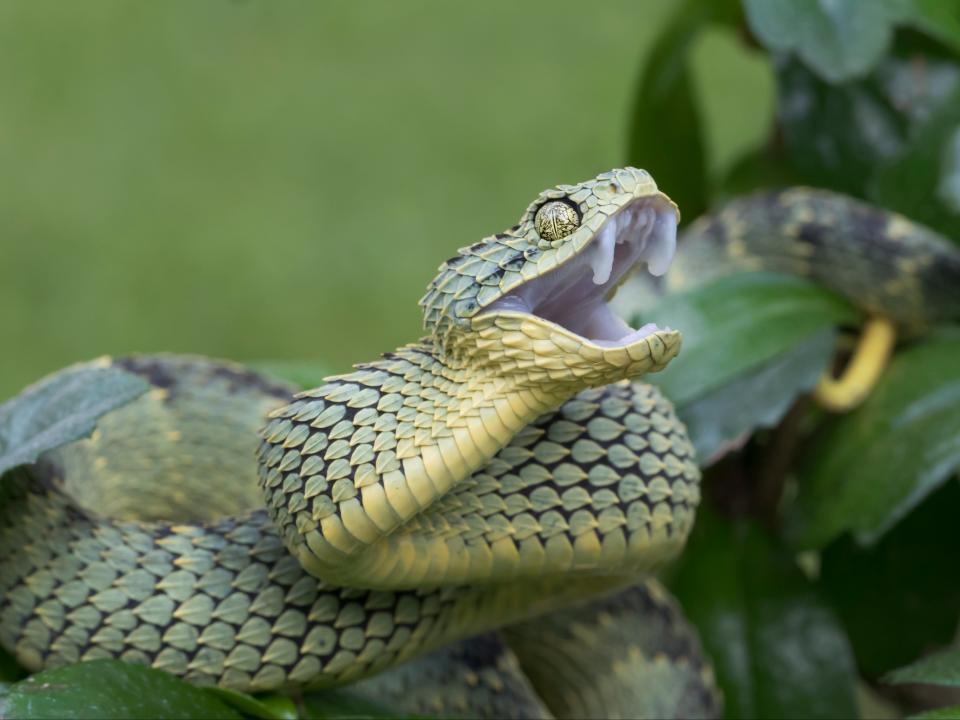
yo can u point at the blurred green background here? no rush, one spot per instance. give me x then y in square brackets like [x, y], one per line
[279, 180]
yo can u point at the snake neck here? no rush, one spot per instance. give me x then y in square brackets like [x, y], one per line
[348, 463]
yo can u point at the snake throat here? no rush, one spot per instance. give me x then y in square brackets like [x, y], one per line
[354, 471]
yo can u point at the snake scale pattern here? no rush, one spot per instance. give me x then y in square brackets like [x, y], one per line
[501, 473]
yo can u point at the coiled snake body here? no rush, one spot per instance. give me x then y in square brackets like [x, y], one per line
[499, 471]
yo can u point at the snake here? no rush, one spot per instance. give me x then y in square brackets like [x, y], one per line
[468, 525]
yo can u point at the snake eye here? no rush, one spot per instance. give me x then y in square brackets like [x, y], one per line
[555, 220]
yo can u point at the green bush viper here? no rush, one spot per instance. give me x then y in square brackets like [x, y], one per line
[501, 472]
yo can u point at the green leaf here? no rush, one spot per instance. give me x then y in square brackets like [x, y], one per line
[720, 419]
[736, 324]
[844, 137]
[764, 168]
[343, 704]
[907, 581]
[836, 136]
[60, 409]
[838, 39]
[666, 136]
[267, 707]
[942, 668]
[303, 373]
[944, 713]
[938, 18]
[872, 466]
[111, 689]
[777, 648]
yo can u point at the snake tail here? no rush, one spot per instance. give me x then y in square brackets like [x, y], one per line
[870, 357]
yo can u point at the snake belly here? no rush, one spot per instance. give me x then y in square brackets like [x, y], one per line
[497, 469]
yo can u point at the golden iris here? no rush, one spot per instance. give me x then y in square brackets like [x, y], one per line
[556, 220]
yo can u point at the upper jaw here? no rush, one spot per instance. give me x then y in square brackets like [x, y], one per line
[573, 296]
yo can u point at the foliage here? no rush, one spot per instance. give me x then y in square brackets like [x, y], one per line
[779, 649]
[106, 689]
[113, 689]
[873, 112]
[942, 669]
[823, 557]
[60, 410]
[783, 331]
[870, 468]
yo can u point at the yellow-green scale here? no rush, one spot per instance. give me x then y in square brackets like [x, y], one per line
[354, 470]
[361, 456]
[221, 600]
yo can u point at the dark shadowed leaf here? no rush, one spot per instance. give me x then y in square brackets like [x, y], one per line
[666, 135]
[777, 648]
[839, 39]
[844, 136]
[941, 668]
[835, 136]
[766, 167]
[266, 707]
[736, 324]
[906, 581]
[343, 704]
[924, 180]
[9, 669]
[111, 689]
[61, 409]
[944, 713]
[872, 466]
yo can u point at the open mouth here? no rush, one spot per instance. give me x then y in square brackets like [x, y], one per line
[574, 295]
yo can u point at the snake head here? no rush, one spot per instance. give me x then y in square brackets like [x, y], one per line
[535, 297]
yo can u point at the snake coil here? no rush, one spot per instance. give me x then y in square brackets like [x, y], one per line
[500, 472]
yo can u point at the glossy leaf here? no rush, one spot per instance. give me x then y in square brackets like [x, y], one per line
[942, 668]
[737, 324]
[839, 39]
[111, 689]
[666, 135]
[777, 649]
[760, 398]
[61, 409]
[872, 466]
[907, 580]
